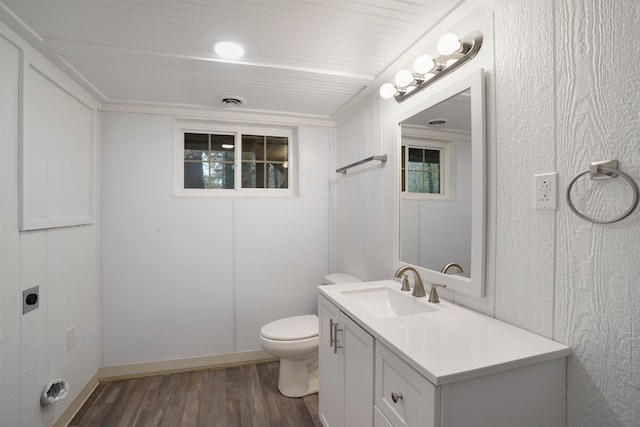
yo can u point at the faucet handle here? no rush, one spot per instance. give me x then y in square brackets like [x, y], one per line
[433, 294]
[405, 284]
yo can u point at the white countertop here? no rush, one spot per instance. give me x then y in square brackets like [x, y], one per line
[450, 344]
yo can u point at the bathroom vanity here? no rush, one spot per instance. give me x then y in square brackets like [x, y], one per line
[390, 359]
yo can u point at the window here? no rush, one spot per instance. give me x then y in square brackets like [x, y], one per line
[427, 172]
[226, 160]
[422, 170]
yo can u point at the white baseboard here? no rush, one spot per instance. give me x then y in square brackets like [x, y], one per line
[139, 370]
[65, 418]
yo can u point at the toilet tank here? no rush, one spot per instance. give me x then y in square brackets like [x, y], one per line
[339, 278]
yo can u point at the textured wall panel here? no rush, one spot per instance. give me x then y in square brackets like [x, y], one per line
[598, 282]
[525, 146]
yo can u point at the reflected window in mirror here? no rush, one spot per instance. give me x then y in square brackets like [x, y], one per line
[421, 170]
[426, 169]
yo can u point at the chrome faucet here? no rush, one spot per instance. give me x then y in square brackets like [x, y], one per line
[433, 294]
[418, 286]
[448, 266]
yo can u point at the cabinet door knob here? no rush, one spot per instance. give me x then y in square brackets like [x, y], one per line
[396, 396]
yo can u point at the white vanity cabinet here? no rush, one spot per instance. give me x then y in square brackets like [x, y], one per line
[346, 370]
[530, 396]
[444, 367]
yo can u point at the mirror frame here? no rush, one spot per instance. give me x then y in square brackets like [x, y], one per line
[474, 82]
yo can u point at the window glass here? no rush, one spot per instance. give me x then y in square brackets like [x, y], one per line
[264, 162]
[209, 161]
[423, 172]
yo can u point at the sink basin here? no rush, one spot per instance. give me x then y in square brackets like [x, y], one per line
[385, 302]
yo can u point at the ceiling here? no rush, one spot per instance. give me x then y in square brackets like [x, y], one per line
[309, 58]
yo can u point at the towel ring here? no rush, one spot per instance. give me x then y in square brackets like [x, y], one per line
[598, 171]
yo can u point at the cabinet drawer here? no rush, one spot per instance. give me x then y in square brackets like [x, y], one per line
[379, 420]
[417, 400]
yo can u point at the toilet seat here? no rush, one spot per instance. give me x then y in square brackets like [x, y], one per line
[291, 328]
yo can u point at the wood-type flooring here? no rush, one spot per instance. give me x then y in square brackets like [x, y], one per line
[240, 396]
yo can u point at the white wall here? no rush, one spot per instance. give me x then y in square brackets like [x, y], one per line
[563, 90]
[198, 277]
[63, 262]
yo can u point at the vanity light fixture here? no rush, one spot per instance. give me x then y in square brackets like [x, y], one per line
[454, 52]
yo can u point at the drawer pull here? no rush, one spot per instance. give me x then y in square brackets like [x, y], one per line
[330, 332]
[333, 335]
[396, 396]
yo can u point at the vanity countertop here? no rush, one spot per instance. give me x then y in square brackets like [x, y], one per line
[450, 343]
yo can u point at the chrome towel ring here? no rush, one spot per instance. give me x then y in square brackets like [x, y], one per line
[603, 170]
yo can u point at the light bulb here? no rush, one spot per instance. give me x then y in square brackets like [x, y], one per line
[404, 78]
[387, 90]
[229, 50]
[423, 64]
[448, 44]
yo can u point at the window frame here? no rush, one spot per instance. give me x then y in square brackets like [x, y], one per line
[236, 129]
[448, 174]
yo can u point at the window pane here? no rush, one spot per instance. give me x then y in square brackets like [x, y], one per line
[432, 179]
[277, 148]
[277, 176]
[221, 176]
[415, 182]
[196, 146]
[223, 147]
[416, 155]
[194, 174]
[252, 175]
[252, 147]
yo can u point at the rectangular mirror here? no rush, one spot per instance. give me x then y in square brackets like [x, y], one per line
[442, 185]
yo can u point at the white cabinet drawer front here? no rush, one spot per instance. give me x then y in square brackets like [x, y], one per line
[379, 420]
[417, 400]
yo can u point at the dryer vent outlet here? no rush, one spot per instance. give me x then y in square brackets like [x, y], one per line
[54, 391]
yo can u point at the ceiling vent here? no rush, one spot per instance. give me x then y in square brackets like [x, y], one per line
[233, 101]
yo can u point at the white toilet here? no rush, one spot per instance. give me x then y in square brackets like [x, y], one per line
[295, 341]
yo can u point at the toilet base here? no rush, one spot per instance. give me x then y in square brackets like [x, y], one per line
[298, 378]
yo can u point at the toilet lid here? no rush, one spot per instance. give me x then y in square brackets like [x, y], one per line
[291, 328]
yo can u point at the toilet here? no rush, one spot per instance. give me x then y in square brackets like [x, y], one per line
[295, 341]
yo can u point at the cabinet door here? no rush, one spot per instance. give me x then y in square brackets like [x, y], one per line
[331, 368]
[357, 348]
[346, 370]
[405, 397]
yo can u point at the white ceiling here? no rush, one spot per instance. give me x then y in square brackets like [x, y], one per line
[304, 57]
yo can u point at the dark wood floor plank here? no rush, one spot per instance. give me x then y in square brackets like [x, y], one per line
[240, 396]
[212, 407]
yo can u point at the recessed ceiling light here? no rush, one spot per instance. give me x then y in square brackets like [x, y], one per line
[229, 50]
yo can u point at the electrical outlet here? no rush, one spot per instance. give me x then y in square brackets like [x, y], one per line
[71, 338]
[546, 191]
